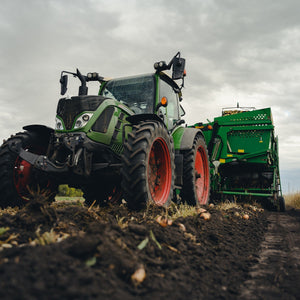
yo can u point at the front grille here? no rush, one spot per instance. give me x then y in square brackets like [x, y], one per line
[69, 109]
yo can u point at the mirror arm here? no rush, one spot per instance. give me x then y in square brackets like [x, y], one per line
[172, 60]
[83, 89]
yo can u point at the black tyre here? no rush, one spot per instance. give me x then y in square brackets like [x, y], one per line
[148, 170]
[103, 194]
[17, 175]
[281, 204]
[196, 176]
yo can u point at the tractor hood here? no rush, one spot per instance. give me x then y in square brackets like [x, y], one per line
[69, 108]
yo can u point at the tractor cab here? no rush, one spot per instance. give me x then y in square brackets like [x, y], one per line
[136, 92]
[150, 94]
[145, 95]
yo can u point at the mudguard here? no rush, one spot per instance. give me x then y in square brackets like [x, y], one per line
[184, 137]
[135, 119]
[42, 131]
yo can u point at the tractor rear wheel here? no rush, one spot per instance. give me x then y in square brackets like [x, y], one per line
[196, 176]
[148, 169]
[17, 176]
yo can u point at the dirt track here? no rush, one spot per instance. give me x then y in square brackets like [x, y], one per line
[277, 272]
[226, 257]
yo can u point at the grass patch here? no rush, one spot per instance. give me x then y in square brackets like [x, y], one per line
[293, 200]
[70, 199]
[182, 210]
[227, 205]
[3, 230]
[48, 238]
[9, 210]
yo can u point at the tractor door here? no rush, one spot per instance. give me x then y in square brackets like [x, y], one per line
[170, 113]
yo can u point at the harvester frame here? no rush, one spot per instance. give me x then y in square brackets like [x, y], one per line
[244, 158]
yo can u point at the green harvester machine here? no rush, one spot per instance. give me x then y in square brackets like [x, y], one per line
[244, 162]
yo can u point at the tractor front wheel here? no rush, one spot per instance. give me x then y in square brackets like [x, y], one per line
[196, 176]
[17, 176]
[148, 170]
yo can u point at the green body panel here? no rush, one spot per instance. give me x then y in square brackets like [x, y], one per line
[184, 137]
[243, 136]
[177, 137]
[243, 154]
[106, 138]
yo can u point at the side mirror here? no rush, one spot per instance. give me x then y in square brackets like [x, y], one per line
[178, 68]
[63, 84]
[163, 102]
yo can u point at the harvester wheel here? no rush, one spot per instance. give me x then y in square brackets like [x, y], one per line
[281, 204]
[18, 178]
[102, 194]
[148, 170]
[196, 176]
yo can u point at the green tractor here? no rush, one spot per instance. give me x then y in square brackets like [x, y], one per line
[126, 142]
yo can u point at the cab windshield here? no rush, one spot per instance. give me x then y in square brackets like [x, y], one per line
[138, 92]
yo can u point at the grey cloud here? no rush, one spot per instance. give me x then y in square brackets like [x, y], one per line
[236, 50]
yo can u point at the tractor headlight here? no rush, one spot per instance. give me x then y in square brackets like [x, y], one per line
[82, 120]
[160, 65]
[59, 125]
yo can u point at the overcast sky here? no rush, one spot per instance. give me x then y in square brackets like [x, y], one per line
[245, 51]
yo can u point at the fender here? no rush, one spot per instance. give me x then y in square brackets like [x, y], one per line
[184, 137]
[183, 140]
[42, 131]
[135, 119]
[37, 132]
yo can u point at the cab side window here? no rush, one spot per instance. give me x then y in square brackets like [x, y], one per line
[171, 112]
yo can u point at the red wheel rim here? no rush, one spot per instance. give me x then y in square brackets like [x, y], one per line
[201, 176]
[22, 175]
[159, 172]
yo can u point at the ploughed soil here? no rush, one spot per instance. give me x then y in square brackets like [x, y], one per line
[68, 251]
